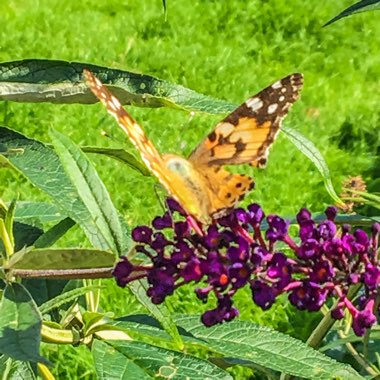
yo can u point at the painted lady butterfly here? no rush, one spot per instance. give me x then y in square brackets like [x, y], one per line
[200, 183]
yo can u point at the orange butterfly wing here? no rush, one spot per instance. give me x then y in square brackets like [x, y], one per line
[148, 152]
[244, 136]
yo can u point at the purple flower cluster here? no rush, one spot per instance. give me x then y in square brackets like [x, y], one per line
[322, 262]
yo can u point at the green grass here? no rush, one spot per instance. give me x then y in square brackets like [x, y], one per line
[225, 49]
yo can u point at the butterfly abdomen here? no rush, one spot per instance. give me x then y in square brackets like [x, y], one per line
[189, 187]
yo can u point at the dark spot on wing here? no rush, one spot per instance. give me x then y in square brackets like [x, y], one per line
[234, 117]
[238, 185]
[240, 146]
[212, 136]
[262, 162]
[223, 140]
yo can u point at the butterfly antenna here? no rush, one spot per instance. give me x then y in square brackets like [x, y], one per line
[156, 186]
[167, 208]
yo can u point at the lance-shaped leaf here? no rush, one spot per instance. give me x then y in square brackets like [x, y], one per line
[314, 155]
[361, 6]
[43, 212]
[37, 80]
[91, 191]
[120, 155]
[50, 259]
[127, 360]
[66, 297]
[20, 324]
[25, 235]
[49, 237]
[42, 167]
[246, 341]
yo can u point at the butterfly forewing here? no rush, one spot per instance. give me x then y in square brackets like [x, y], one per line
[246, 135]
[148, 152]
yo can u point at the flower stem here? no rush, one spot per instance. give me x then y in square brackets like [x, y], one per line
[327, 322]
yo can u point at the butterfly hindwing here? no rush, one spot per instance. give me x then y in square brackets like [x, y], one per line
[246, 134]
[225, 189]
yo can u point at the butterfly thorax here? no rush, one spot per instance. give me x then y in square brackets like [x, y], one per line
[189, 187]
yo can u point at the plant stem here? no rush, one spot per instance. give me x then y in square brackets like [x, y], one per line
[59, 336]
[67, 274]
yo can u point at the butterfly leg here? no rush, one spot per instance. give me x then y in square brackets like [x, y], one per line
[194, 225]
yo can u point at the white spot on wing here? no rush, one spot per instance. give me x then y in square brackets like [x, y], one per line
[282, 98]
[272, 108]
[225, 128]
[114, 106]
[254, 104]
[277, 85]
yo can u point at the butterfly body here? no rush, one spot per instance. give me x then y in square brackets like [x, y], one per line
[191, 187]
[200, 183]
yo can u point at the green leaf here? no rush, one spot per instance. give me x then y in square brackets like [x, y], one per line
[361, 6]
[9, 220]
[66, 297]
[43, 290]
[25, 235]
[43, 259]
[266, 347]
[91, 191]
[126, 360]
[41, 166]
[35, 80]
[20, 324]
[113, 365]
[369, 198]
[140, 325]
[15, 370]
[93, 321]
[355, 219]
[160, 312]
[44, 212]
[313, 154]
[120, 155]
[49, 237]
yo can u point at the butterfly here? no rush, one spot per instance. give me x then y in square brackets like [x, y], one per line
[201, 185]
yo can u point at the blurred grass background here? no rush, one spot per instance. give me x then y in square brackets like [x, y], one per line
[225, 49]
